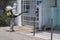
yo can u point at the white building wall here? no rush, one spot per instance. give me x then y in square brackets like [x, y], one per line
[45, 12]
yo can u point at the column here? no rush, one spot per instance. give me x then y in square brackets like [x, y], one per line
[18, 19]
[40, 16]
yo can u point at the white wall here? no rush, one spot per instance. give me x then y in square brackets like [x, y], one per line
[46, 12]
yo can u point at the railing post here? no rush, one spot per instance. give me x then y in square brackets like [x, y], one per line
[51, 29]
[34, 27]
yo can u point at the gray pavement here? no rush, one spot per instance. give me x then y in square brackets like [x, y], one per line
[17, 35]
[46, 35]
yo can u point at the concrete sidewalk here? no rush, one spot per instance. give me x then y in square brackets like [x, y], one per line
[24, 33]
[17, 35]
[46, 35]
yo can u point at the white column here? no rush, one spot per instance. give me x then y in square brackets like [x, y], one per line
[18, 20]
[40, 16]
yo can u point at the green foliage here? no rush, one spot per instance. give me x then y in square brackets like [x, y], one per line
[4, 20]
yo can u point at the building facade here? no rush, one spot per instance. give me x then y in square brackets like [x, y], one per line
[38, 9]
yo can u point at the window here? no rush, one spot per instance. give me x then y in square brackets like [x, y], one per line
[26, 6]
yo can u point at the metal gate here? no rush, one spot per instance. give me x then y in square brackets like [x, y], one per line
[27, 18]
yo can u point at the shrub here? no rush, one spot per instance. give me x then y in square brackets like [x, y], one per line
[4, 20]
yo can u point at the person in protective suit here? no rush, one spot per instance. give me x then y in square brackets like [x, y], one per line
[11, 12]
